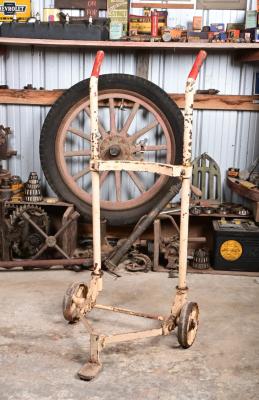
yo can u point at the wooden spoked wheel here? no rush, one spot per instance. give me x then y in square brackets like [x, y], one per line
[188, 324]
[75, 291]
[137, 121]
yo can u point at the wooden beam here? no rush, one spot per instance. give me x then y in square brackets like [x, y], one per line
[248, 56]
[202, 101]
[220, 102]
[162, 5]
[29, 97]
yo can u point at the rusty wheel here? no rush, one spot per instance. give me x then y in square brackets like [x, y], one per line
[188, 324]
[137, 121]
[75, 291]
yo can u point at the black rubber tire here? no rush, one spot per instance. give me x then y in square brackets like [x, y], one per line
[171, 114]
[184, 325]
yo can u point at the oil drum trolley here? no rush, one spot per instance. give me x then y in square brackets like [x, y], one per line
[79, 298]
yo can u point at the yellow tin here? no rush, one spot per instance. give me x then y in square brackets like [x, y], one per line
[20, 8]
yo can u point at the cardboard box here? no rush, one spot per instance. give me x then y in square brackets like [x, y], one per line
[117, 11]
[217, 27]
[197, 23]
[142, 24]
[21, 8]
[251, 19]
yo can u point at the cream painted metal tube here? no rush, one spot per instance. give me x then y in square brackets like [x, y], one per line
[186, 184]
[95, 135]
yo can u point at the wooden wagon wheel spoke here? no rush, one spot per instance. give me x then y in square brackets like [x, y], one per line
[142, 131]
[118, 185]
[137, 181]
[129, 120]
[80, 133]
[100, 127]
[103, 176]
[112, 116]
[77, 153]
[81, 173]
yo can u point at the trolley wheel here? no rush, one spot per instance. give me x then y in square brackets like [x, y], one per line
[70, 308]
[188, 324]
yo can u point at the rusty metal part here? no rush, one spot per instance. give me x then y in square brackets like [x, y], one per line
[208, 210]
[201, 259]
[137, 262]
[25, 241]
[222, 210]
[73, 299]
[32, 190]
[207, 176]
[196, 210]
[43, 263]
[168, 246]
[242, 211]
[188, 324]
[5, 153]
[26, 235]
[112, 262]
[4, 173]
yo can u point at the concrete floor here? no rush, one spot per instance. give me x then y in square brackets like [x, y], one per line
[40, 353]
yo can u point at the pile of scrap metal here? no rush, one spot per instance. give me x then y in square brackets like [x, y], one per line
[36, 235]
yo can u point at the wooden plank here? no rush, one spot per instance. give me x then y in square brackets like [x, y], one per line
[29, 97]
[236, 186]
[163, 5]
[126, 44]
[202, 101]
[220, 102]
[248, 56]
[142, 66]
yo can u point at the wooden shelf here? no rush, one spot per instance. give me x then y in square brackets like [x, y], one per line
[132, 45]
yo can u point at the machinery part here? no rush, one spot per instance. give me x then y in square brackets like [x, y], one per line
[208, 210]
[138, 262]
[196, 210]
[112, 262]
[206, 176]
[25, 242]
[241, 211]
[188, 324]
[32, 189]
[5, 153]
[75, 295]
[4, 173]
[86, 262]
[123, 100]
[201, 259]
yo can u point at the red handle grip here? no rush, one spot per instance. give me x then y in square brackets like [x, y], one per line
[197, 64]
[97, 63]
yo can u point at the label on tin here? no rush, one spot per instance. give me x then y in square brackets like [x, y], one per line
[21, 8]
[231, 250]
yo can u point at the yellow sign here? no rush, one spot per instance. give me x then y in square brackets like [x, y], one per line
[231, 250]
[20, 8]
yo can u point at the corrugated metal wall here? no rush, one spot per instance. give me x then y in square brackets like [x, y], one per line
[231, 138]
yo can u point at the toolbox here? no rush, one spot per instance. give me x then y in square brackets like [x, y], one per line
[236, 245]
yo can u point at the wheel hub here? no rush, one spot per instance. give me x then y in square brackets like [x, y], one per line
[116, 147]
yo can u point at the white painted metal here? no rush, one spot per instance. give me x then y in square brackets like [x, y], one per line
[231, 138]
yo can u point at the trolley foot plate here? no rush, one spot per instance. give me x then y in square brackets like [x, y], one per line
[89, 371]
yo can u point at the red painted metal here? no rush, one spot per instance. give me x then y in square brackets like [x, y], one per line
[197, 64]
[97, 63]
